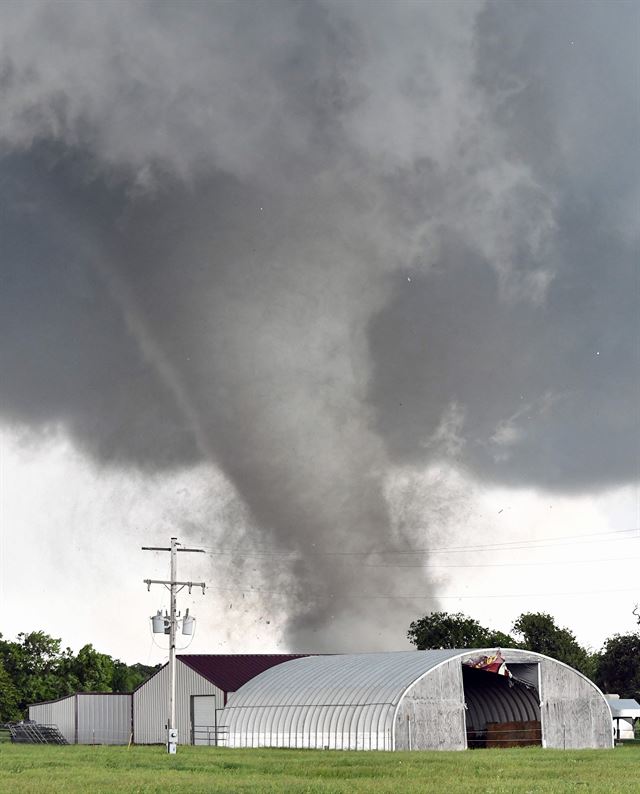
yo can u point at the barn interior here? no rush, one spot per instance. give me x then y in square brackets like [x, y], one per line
[502, 711]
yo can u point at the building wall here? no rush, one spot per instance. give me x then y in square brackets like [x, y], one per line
[88, 718]
[431, 714]
[151, 704]
[57, 712]
[623, 728]
[326, 725]
[574, 713]
[104, 718]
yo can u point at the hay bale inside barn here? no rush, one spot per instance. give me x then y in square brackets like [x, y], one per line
[419, 700]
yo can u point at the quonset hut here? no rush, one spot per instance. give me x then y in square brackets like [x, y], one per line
[420, 700]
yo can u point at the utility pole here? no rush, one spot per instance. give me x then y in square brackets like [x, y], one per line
[174, 588]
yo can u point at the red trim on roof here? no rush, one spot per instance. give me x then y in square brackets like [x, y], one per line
[230, 671]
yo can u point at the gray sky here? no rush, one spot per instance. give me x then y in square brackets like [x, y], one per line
[288, 278]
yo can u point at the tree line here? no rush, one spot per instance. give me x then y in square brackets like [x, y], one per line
[615, 668]
[35, 667]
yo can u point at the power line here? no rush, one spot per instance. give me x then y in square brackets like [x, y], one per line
[507, 564]
[533, 543]
[500, 564]
[432, 597]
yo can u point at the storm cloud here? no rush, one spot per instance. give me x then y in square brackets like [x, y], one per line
[310, 242]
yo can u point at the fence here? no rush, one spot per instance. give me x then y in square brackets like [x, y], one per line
[506, 734]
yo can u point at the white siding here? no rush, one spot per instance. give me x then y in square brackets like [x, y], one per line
[104, 718]
[575, 714]
[57, 712]
[431, 714]
[151, 704]
[88, 718]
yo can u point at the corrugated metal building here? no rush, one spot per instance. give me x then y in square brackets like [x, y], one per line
[88, 717]
[203, 683]
[421, 700]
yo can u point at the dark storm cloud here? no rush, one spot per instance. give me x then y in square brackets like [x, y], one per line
[542, 393]
[68, 357]
[305, 241]
[533, 395]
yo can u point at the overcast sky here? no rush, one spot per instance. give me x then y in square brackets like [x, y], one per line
[344, 292]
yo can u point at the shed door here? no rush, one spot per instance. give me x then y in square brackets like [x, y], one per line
[203, 719]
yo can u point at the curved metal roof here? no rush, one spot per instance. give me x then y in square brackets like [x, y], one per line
[325, 700]
[348, 678]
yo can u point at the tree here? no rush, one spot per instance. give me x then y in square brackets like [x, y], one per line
[36, 665]
[34, 668]
[127, 677]
[456, 630]
[540, 634]
[9, 698]
[618, 666]
[92, 670]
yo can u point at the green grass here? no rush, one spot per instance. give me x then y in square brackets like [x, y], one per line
[28, 768]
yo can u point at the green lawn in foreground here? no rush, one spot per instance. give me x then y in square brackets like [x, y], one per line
[32, 768]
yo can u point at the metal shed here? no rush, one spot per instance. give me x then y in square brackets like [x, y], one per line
[421, 700]
[624, 712]
[88, 717]
[203, 683]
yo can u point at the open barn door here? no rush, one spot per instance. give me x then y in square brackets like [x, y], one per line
[503, 704]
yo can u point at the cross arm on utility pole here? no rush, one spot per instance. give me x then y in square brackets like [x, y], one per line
[168, 583]
[168, 548]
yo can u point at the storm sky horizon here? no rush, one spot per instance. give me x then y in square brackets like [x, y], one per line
[323, 287]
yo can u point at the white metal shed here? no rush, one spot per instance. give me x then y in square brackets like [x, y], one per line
[417, 700]
[203, 682]
[624, 712]
[88, 717]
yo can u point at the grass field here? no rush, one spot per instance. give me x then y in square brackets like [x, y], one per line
[28, 768]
